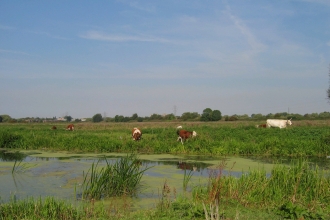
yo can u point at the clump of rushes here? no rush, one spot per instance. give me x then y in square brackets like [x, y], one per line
[121, 178]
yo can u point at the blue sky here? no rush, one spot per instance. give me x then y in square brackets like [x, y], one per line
[80, 58]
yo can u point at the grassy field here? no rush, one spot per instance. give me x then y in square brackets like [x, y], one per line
[303, 138]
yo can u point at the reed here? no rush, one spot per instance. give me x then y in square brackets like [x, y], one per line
[20, 167]
[299, 185]
[121, 178]
[186, 178]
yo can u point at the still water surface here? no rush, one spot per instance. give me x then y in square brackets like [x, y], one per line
[60, 174]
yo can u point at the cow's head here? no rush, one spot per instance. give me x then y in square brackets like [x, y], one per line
[289, 121]
[194, 134]
[136, 134]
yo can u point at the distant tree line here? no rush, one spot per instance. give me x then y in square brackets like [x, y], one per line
[207, 115]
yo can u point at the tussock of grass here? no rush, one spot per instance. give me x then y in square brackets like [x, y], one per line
[121, 178]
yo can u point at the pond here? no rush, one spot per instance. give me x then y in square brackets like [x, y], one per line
[60, 174]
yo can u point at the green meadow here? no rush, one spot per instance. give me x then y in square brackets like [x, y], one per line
[305, 138]
[296, 191]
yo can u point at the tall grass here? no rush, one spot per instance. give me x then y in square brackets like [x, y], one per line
[49, 208]
[121, 178]
[300, 185]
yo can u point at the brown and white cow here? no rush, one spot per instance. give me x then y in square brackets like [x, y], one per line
[70, 127]
[136, 134]
[184, 134]
[262, 126]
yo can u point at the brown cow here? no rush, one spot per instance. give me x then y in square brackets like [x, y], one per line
[136, 134]
[183, 134]
[70, 127]
[54, 127]
[262, 126]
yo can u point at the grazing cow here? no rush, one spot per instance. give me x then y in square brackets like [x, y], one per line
[262, 126]
[54, 128]
[70, 127]
[136, 134]
[183, 134]
[278, 123]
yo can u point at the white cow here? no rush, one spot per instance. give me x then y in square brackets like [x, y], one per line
[278, 123]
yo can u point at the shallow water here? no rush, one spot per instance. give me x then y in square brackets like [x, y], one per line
[60, 174]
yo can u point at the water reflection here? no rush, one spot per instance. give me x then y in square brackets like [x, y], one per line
[6, 155]
[322, 162]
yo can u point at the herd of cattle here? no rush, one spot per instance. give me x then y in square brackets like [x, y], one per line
[183, 135]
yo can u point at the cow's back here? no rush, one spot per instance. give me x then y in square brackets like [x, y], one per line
[277, 123]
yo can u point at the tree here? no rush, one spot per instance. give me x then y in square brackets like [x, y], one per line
[189, 116]
[216, 115]
[134, 116]
[97, 118]
[209, 115]
[169, 117]
[206, 115]
[258, 116]
[119, 118]
[0, 118]
[6, 118]
[156, 117]
[68, 117]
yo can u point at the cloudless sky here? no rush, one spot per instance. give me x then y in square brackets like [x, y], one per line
[80, 58]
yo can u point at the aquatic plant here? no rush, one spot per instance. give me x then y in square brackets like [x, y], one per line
[20, 167]
[121, 178]
[186, 178]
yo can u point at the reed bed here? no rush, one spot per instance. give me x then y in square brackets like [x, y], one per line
[297, 191]
[121, 178]
[213, 138]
